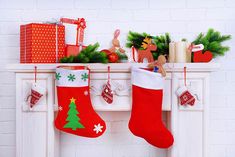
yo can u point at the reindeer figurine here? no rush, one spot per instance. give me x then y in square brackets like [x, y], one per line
[146, 54]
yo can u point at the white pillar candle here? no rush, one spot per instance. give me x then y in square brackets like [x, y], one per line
[180, 55]
[171, 52]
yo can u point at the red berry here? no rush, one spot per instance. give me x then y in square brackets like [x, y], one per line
[113, 57]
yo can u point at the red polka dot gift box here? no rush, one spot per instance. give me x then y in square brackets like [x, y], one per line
[42, 43]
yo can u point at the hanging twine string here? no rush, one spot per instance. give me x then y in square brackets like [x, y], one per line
[35, 74]
[109, 74]
[185, 76]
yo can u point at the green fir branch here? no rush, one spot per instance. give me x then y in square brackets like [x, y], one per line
[90, 54]
[135, 39]
[212, 42]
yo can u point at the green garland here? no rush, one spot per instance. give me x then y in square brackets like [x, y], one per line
[162, 43]
[122, 56]
[87, 55]
[212, 42]
[135, 39]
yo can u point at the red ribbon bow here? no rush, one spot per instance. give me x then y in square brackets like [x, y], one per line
[82, 23]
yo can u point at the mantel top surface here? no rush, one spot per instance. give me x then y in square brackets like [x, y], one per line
[115, 67]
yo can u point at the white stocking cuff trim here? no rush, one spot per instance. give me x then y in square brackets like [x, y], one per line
[147, 79]
[72, 78]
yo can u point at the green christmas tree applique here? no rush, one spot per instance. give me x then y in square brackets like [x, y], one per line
[84, 77]
[71, 77]
[57, 76]
[73, 119]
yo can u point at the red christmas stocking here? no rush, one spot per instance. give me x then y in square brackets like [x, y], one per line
[146, 115]
[76, 114]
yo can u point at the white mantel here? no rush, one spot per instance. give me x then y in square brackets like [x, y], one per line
[188, 124]
[116, 67]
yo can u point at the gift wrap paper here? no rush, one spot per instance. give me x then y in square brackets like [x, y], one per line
[41, 43]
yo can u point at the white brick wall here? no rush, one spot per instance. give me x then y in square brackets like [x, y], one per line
[182, 18]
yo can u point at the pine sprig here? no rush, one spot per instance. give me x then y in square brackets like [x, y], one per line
[135, 39]
[212, 41]
[122, 56]
[162, 43]
[88, 55]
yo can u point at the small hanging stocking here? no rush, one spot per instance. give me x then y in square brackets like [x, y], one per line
[146, 114]
[184, 94]
[76, 114]
[35, 95]
[36, 92]
[107, 92]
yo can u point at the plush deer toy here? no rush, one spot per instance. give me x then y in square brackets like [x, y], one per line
[146, 54]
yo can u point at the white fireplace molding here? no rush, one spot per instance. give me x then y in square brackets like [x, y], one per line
[35, 132]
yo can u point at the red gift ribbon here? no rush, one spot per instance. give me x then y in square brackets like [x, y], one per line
[70, 21]
[82, 23]
[80, 33]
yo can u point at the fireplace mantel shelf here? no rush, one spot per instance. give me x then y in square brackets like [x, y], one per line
[115, 67]
[39, 120]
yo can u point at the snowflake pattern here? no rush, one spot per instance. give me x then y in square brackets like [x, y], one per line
[84, 77]
[60, 108]
[98, 128]
[57, 76]
[71, 77]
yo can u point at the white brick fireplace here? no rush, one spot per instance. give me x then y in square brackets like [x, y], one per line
[36, 135]
[181, 18]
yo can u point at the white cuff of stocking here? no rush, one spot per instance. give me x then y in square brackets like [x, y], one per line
[147, 79]
[72, 78]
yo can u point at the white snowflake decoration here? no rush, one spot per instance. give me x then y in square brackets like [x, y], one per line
[60, 108]
[97, 128]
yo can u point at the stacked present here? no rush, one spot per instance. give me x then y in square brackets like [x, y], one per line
[81, 25]
[45, 43]
[41, 43]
